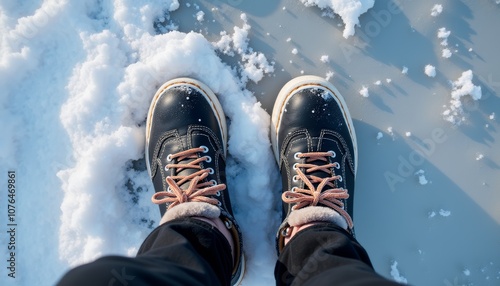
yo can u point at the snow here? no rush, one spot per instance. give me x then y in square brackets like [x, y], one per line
[404, 70]
[430, 71]
[329, 75]
[443, 34]
[200, 16]
[364, 91]
[444, 213]
[436, 10]
[295, 51]
[396, 275]
[446, 53]
[348, 10]
[421, 177]
[90, 131]
[324, 59]
[461, 87]
[378, 82]
[379, 135]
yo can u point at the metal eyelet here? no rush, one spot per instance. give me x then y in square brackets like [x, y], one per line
[209, 159]
[214, 182]
[295, 166]
[219, 203]
[337, 165]
[211, 171]
[295, 179]
[228, 224]
[340, 178]
[333, 154]
[166, 168]
[169, 158]
[296, 155]
[286, 232]
[218, 193]
[293, 189]
[205, 148]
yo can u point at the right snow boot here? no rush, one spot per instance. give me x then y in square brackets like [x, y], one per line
[314, 144]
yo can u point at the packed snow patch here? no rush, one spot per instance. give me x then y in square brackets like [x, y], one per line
[348, 10]
[97, 76]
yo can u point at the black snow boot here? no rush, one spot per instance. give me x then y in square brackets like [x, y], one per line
[186, 138]
[314, 143]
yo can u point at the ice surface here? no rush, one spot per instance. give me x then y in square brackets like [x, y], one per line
[77, 78]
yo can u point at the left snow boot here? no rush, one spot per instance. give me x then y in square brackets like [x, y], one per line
[186, 138]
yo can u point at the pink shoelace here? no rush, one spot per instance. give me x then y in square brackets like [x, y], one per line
[313, 196]
[197, 191]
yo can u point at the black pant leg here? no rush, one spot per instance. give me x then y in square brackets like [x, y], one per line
[180, 252]
[326, 254]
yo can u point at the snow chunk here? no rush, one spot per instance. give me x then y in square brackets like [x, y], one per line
[479, 157]
[364, 91]
[461, 87]
[388, 80]
[404, 70]
[443, 34]
[464, 86]
[444, 213]
[380, 135]
[492, 116]
[436, 10]
[466, 272]
[329, 75]
[421, 177]
[430, 71]
[200, 16]
[348, 10]
[446, 53]
[295, 51]
[396, 275]
[254, 65]
[408, 134]
[324, 59]
[378, 82]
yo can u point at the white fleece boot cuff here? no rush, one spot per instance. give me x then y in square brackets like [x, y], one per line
[315, 214]
[191, 209]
